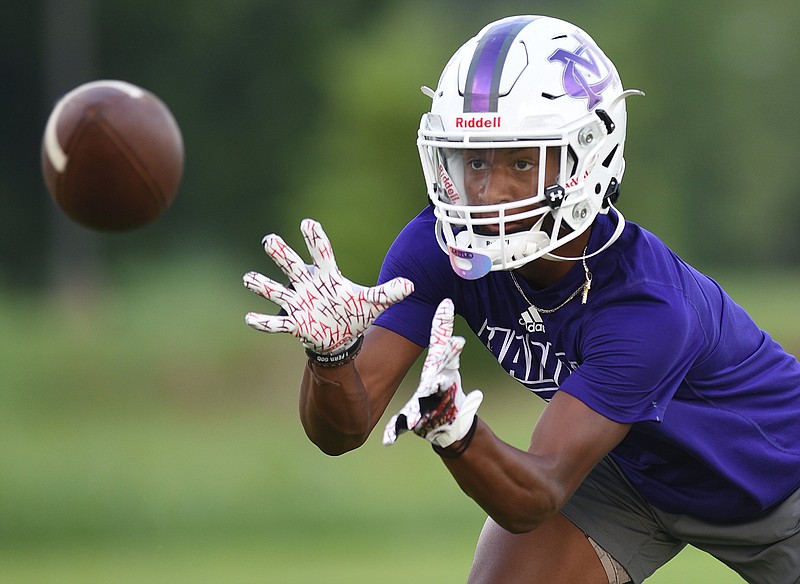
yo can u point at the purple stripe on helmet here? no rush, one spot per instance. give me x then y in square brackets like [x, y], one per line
[483, 79]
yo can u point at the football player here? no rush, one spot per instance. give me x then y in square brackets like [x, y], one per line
[672, 418]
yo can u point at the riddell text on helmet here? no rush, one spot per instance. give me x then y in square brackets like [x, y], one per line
[493, 122]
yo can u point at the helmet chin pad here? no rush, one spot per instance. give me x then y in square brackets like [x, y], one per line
[468, 264]
[473, 256]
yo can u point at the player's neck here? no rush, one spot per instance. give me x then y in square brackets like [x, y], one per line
[542, 273]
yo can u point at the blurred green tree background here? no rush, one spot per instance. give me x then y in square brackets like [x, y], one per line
[148, 435]
[309, 108]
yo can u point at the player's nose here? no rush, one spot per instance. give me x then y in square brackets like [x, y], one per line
[497, 188]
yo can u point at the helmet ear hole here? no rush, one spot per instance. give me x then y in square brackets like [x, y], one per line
[609, 159]
[609, 123]
[572, 160]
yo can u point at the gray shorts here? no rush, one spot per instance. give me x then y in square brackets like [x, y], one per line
[642, 538]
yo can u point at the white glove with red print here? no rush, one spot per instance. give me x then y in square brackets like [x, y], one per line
[439, 410]
[323, 309]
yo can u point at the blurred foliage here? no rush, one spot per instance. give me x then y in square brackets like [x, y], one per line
[310, 108]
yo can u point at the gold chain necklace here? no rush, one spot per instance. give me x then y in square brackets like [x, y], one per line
[585, 287]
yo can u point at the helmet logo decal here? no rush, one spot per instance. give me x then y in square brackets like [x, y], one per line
[449, 186]
[493, 122]
[483, 79]
[584, 70]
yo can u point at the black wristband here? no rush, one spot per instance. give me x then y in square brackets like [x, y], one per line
[450, 452]
[336, 359]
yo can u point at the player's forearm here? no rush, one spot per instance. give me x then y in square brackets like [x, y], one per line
[508, 483]
[334, 408]
[340, 406]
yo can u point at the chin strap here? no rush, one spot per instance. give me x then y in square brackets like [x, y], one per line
[614, 237]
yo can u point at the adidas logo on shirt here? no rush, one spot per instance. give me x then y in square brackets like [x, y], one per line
[532, 321]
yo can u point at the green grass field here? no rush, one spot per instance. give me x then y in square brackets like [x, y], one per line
[150, 436]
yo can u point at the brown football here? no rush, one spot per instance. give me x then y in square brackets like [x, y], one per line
[112, 155]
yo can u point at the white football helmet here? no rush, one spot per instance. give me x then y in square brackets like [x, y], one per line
[542, 87]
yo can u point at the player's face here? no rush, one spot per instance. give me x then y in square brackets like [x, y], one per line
[505, 175]
[502, 175]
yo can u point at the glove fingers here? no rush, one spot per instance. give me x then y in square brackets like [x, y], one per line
[439, 349]
[271, 324]
[396, 426]
[285, 258]
[388, 293]
[445, 354]
[453, 354]
[267, 288]
[406, 419]
[442, 325]
[319, 246]
[470, 405]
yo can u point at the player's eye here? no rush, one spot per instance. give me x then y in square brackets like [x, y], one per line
[524, 165]
[477, 164]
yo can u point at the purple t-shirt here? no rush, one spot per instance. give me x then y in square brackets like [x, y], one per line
[714, 401]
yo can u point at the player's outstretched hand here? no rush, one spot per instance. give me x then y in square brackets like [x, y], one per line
[323, 309]
[439, 410]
